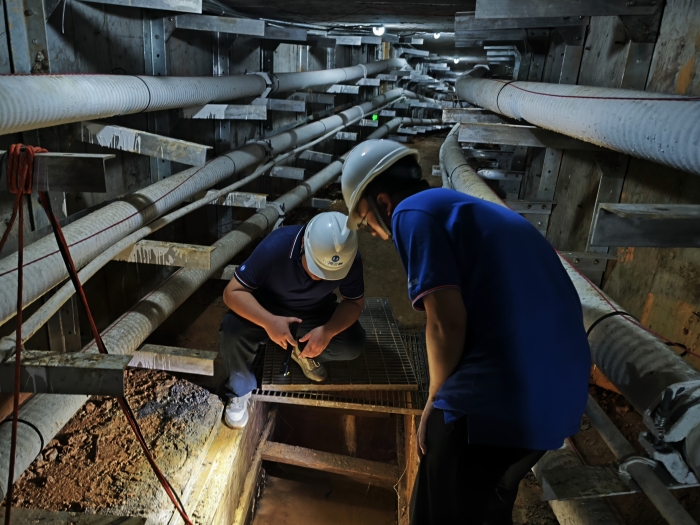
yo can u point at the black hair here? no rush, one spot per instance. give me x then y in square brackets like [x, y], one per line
[402, 179]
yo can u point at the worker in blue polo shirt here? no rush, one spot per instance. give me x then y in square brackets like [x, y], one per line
[290, 278]
[508, 356]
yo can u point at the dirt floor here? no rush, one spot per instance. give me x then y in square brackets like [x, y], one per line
[94, 458]
[96, 465]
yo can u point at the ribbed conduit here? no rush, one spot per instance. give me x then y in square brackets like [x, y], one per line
[653, 126]
[91, 234]
[36, 101]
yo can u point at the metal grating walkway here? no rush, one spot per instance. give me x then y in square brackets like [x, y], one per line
[383, 365]
[391, 401]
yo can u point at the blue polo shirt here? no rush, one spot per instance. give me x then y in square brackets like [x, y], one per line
[275, 275]
[523, 378]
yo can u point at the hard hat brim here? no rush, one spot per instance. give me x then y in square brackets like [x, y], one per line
[354, 218]
[328, 275]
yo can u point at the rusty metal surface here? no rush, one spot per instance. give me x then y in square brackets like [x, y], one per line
[383, 365]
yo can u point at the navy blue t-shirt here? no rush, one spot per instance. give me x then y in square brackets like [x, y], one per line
[275, 275]
[523, 378]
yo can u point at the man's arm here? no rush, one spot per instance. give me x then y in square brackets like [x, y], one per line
[239, 299]
[445, 333]
[347, 312]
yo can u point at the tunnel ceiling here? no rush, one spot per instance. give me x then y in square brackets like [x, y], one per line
[398, 16]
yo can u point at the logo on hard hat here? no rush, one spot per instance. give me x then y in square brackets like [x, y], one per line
[336, 258]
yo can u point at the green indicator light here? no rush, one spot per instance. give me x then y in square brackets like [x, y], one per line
[375, 117]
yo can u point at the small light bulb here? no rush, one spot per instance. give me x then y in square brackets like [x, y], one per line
[456, 60]
[436, 35]
[379, 31]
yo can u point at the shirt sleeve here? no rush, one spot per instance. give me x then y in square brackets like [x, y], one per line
[353, 286]
[427, 255]
[256, 269]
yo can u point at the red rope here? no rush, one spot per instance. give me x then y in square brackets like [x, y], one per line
[20, 168]
[19, 180]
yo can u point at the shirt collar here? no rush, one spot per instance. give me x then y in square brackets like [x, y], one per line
[297, 243]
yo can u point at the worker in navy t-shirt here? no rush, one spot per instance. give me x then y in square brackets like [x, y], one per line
[290, 278]
[508, 356]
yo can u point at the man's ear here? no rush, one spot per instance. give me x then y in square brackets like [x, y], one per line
[384, 200]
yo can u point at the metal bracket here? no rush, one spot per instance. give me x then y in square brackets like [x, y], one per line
[280, 211]
[630, 460]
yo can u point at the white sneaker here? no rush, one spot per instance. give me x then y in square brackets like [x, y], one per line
[236, 411]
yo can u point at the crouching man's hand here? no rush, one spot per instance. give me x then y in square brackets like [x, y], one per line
[316, 342]
[278, 330]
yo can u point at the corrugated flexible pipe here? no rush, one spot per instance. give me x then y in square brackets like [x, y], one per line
[24, 103]
[636, 361]
[44, 415]
[653, 126]
[89, 236]
[39, 318]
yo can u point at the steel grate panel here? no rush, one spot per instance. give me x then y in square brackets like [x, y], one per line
[383, 365]
[394, 402]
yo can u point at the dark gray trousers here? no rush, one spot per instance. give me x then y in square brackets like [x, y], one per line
[239, 340]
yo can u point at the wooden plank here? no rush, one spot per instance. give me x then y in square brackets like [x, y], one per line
[613, 166]
[183, 6]
[469, 22]
[47, 517]
[582, 482]
[561, 8]
[168, 254]
[371, 472]
[650, 225]
[550, 174]
[530, 207]
[7, 402]
[72, 373]
[516, 135]
[172, 359]
[660, 286]
[253, 476]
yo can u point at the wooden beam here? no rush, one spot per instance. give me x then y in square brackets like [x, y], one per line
[561, 8]
[469, 22]
[649, 225]
[7, 402]
[47, 517]
[172, 359]
[72, 373]
[371, 472]
[168, 254]
[253, 475]
[513, 135]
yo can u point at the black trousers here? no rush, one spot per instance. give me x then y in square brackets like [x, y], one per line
[239, 340]
[457, 481]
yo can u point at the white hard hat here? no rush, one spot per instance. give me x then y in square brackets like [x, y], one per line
[364, 163]
[330, 246]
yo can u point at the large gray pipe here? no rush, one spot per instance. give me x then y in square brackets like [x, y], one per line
[653, 126]
[37, 101]
[637, 362]
[46, 414]
[43, 268]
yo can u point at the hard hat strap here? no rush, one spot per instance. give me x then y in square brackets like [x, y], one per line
[374, 208]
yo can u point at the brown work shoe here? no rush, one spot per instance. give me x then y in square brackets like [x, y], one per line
[311, 368]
